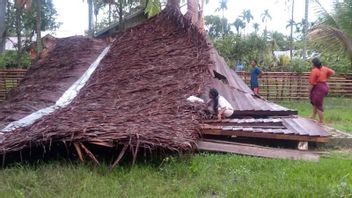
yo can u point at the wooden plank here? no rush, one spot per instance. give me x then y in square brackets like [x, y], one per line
[275, 136]
[253, 150]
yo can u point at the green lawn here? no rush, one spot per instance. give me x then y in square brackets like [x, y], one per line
[203, 175]
[338, 111]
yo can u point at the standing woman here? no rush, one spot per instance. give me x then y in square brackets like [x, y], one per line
[318, 78]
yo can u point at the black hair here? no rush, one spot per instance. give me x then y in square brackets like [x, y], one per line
[214, 95]
[316, 62]
[254, 60]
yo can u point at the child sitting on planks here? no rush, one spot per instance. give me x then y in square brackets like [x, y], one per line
[220, 106]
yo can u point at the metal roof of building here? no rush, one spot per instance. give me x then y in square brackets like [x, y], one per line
[288, 128]
[266, 118]
[247, 104]
[237, 92]
[220, 67]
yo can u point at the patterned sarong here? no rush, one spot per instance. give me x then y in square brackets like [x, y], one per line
[317, 94]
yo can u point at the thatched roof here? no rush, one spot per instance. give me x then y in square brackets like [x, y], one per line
[137, 96]
[48, 78]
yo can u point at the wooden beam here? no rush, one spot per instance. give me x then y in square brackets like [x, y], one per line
[264, 113]
[257, 124]
[302, 138]
[253, 150]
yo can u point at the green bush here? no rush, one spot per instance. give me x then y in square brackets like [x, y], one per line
[284, 60]
[299, 65]
[9, 59]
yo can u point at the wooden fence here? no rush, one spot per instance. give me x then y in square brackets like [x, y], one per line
[273, 85]
[294, 86]
[9, 78]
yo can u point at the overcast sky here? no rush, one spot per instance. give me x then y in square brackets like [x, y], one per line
[74, 18]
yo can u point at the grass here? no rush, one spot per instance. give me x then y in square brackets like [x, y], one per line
[338, 111]
[204, 175]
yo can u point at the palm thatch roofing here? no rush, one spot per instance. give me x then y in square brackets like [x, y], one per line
[137, 96]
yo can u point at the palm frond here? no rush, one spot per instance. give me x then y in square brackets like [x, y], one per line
[335, 38]
[325, 16]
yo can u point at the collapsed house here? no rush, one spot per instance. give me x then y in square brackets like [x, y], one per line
[136, 97]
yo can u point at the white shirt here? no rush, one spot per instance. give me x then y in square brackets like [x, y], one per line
[224, 104]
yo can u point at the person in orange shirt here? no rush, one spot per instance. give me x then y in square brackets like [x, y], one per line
[318, 78]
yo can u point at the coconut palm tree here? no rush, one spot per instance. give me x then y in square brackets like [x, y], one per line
[292, 23]
[265, 18]
[256, 27]
[239, 24]
[222, 7]
[247, 16]
[305, 29]
[335, 28]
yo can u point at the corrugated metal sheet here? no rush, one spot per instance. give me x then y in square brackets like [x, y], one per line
[237, 92]
[221, 67]
[247, 104]
[262, 123]
[303, 126]
[290, 126]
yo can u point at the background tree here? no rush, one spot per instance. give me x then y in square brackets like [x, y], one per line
[247, 16]
[37, 8]
[334, 30]
[281, 42]
[291, 23]
[265, 18]
[90, 17]
[27, 18]
[214, 26]
[239, 24]
[153, 7]
[256, 27]
[3, 5]
[234, 48]
[222, 7]
[305, 29]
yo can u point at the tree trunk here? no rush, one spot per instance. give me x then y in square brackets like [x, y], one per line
[192, 11]
[173, 4]
[291, 34]
[90, 17]
[121, 20]
[18, 33]
[305, 30]
[2, 25]
[201, 23]
[38, 23]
